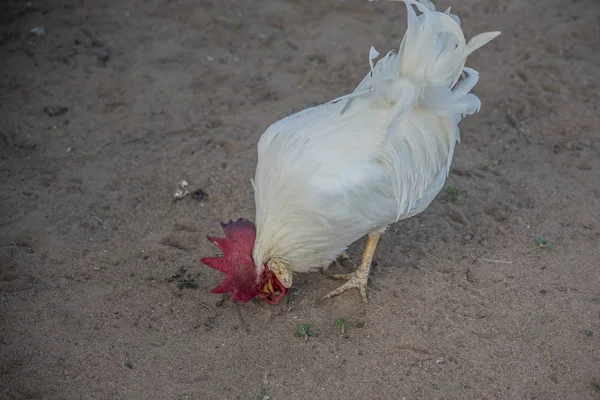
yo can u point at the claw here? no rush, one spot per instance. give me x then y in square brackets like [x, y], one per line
[354, 282]
[358, 279]
[343, 277]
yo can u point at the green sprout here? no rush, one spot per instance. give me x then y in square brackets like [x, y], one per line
[264, 393]
[453, 193]
[305, 331]
[544, 243]
[589, 332]
[341, 323]
[238, 24]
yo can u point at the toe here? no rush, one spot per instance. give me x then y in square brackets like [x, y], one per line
[363, 293]
[354, 282]
[345, 277]
[340, 290]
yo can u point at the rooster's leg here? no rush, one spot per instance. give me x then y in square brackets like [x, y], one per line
[340, 260]
[343, 257]
[358, 279]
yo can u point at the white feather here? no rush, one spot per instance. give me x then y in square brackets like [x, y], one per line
[330, 174]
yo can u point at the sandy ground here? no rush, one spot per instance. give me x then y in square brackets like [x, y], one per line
[102, 115]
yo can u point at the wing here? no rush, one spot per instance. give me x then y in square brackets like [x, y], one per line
[320, 184]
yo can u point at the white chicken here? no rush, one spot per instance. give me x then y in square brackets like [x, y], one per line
[328, 175]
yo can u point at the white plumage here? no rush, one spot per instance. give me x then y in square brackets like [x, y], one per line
[328, 175]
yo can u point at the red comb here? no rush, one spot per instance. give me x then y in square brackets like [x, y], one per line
[237, 263]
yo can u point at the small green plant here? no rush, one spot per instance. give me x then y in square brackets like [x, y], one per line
[341, 323]
[264, 393]
[264, 396]
[305, 332]
[453, 193]
[589, 332]
[238, 24]
[544, 243]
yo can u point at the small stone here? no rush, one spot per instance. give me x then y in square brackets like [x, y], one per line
[38, 30]
[584, 166]
[56, 111]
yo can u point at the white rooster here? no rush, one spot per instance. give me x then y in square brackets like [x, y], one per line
[328, 175]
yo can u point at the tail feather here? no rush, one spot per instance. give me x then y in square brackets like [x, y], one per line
[426, 89]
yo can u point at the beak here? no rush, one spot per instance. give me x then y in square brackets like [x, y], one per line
[284, 276]
[273, 292]
[269, 287]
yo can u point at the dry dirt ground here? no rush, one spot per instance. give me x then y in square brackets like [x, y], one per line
[103, 114]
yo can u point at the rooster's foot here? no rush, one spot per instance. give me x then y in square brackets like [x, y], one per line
[358, 279]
